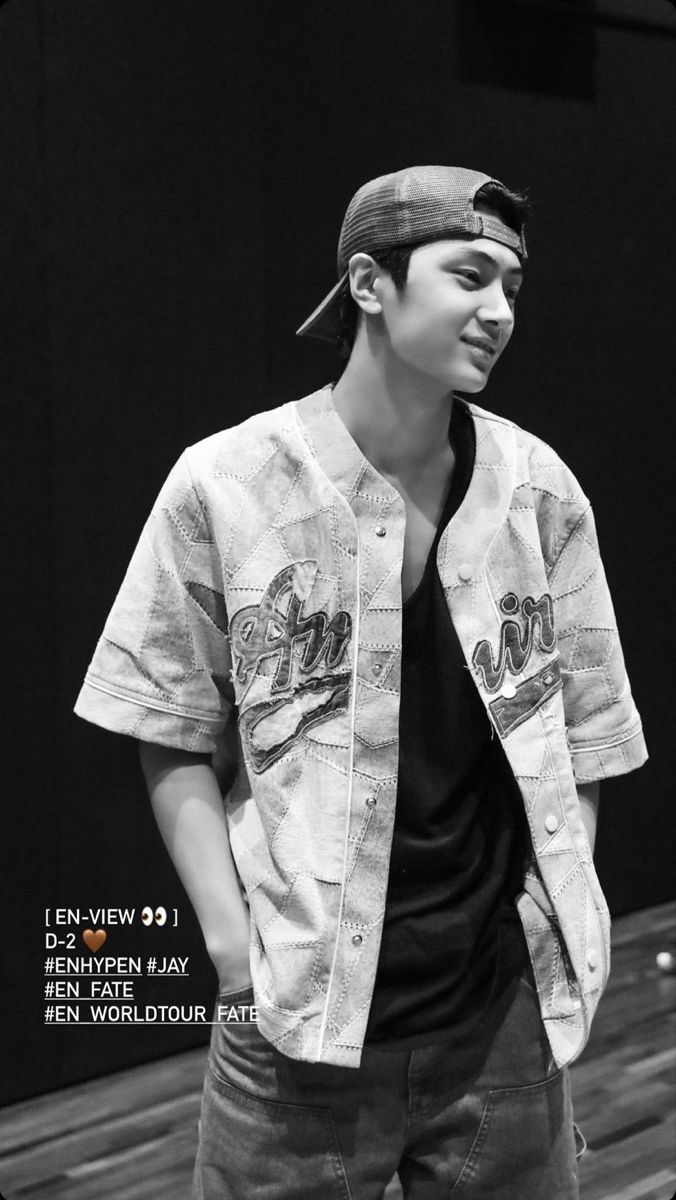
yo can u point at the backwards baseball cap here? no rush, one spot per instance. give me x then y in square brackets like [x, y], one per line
[418, 204]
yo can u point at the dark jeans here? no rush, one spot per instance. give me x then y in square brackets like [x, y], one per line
[496, 1128]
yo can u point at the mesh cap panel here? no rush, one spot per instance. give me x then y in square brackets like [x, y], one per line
[418, 204]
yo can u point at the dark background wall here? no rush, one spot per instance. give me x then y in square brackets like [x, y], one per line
[173, 179]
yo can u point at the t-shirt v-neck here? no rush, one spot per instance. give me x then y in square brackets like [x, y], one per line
[461, 437]
[459, 839]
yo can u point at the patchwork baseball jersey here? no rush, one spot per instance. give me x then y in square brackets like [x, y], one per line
[264, 600]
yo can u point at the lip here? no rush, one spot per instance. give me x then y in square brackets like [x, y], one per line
[484, 346]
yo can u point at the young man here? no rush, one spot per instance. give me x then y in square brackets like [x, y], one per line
[368, 649]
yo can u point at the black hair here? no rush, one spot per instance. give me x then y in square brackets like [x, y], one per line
[511, 207]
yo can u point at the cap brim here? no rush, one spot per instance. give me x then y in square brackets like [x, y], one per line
[324, 322]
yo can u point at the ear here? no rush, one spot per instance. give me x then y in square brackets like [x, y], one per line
[364, 276]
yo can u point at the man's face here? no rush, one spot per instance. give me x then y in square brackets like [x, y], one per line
[455, 315]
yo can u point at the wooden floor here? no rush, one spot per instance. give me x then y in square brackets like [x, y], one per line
[132, 1136]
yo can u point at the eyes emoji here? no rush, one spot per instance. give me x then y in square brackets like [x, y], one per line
[158, 915]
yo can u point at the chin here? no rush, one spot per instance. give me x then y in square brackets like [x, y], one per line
[470, 386]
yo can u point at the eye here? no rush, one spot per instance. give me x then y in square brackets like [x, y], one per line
[470, 275]
[147, 915]
[161, 916]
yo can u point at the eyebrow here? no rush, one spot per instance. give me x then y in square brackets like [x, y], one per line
[469, 249]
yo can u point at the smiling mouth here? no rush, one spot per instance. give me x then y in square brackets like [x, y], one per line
[489, 349]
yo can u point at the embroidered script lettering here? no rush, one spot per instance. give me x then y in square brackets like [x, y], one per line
[280, 628]
[516, 642]
[279, 624]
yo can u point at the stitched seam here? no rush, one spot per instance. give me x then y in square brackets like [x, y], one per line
[477, 1144]
[611, 745]
[572, 533]
[594, 712]
[346, 849]
[153, 705]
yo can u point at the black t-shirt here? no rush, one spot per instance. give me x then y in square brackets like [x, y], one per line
[452, 940]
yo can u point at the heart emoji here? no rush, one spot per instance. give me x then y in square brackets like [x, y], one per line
[94, 940]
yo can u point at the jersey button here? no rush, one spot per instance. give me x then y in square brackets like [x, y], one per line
[551, 823]
[465, 572]
[357, 939]
[380, 531]
[371, 801]
[592, 960]
[508, 691]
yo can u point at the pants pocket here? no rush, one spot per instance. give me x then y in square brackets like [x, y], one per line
[524, 1148]
[235, 995]
[256, 1146]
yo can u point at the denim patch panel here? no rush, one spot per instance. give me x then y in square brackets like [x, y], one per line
[530, 695]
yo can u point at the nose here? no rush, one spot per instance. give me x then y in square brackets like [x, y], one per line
[495, 309]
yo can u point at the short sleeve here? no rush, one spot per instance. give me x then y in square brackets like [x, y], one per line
[603, 726]
[161, 669]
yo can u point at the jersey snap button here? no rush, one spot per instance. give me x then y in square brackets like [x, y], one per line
[592, 960]
[548, 679]
[465, 572]
[377, 668]
[551, 823]
[357, 939]
[508, 691]
[371, 801]
[380, 531]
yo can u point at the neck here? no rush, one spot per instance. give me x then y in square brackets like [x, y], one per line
[399, 422]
